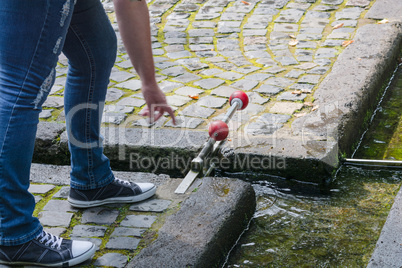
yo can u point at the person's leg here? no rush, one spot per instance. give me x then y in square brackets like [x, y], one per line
[32, 34]
[91, 50]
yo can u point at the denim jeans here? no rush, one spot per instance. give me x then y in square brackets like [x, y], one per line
[32, 36]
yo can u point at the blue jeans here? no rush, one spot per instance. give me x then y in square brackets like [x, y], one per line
[32, 36]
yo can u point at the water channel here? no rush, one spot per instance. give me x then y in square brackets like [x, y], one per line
[306, 225]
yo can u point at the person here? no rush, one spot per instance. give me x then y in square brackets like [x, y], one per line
[32, 36]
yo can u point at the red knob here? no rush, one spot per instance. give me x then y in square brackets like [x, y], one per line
[239, 97]
[218, 130]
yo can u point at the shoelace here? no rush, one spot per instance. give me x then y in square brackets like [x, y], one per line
[119, 181]
[49, 239]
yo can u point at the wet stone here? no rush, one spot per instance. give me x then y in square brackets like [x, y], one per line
[153, 205]
[289, 96]
[55, 218]
[99, 215]
[268, 89]
[138, 221]
[209, 83]
[126, 231]
[245, 84]
[40, 188]
[89, 231]
[195, 110]
[185, 122]
[112, 259]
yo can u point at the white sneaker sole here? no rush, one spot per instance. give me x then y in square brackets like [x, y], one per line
[112, 200]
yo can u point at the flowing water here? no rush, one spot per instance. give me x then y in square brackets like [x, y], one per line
[307, 225]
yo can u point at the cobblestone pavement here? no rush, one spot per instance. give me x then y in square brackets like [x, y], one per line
[277, 51]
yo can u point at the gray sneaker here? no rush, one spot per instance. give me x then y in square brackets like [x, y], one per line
[49, 251]
[119, 191]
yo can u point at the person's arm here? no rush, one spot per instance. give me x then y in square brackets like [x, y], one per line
[134, 25]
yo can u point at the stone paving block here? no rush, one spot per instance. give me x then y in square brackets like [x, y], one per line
[55, 230]
[325, 53]
[37, 199]
[279, 81]
[289, 96]
[245, 84]
[232, 16]
[212, 102]
[305, 88]
[168, 86]
[275, 70]
[209, 16]
[54, 102]
[229, 75]
[195, 110]
[127, 231]
[119, 109]
[63, 192]
[260, 77]
[204, 24]
[40, 188]
[310, 79]
[130, 101]
[113, 118]
[174, 71]
[257, 32]
[55, 219]
[129, 243]
[141, 221]
[59, 205]
[145, 122]
[268, 89]
[294, 73]
[152, 205]
[289, 16]
[202, 40]
[188, 91]
[346, 23]
[254, 97]
[318, 70]
[99, 215]
[209, 83]
[286, 27]
[120, 76]
[285, 107]
[306, 44]
[223, 91]
[113, 94]
[177, 100]
[352, 13]
[112, 259]
[178, 55]
[133, 84]
[185, 122]
[201, 32]
[88, 231]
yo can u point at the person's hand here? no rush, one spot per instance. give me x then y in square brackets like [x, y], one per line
[156, 103]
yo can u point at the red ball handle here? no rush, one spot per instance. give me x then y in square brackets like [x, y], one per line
[239, 97]
[218, 130]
